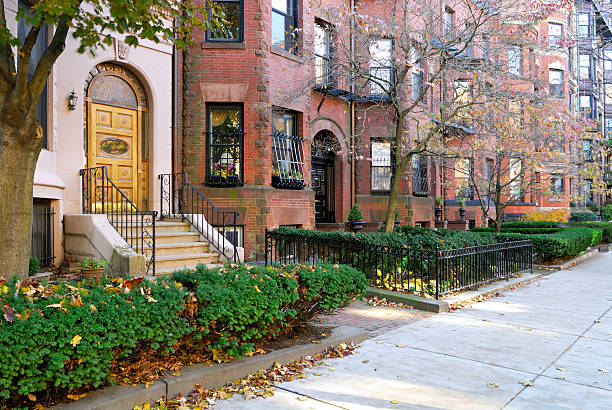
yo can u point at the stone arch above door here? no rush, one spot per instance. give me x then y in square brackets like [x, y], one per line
[118, 75]
[330, 125]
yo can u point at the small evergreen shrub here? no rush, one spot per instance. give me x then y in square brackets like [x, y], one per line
[355, 214]
[34, 266]
[582, 216]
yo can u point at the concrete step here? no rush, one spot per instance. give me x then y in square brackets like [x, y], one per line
[178, 248]
[172, 237]
[160, 227]
[180, 261]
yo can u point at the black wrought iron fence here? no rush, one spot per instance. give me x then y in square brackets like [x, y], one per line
[181, 199]
[412, 270]
[42, 233]
[100, 195]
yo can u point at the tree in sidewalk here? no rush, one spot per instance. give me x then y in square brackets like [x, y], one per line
[22, 81]
[414, 63]
[522, 151]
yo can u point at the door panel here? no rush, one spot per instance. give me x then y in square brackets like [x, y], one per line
[322, 179]
[113, 141]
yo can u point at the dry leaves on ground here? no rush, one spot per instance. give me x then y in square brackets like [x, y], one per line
[259, 384]
[374, 301]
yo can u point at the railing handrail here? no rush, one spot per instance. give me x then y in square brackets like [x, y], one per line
[220, 245]
[120, 227]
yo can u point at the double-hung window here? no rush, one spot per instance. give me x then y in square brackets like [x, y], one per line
[586, 106]
[323, 55]
[584, 63]
[226, 21]
[555, 82]
[381, 171]
[449, 20]
[287, 155]
[23, 28]
[556, 185]
[516, 180]
[555, 34]
[420, 181]
[417, 73]
[224, 142]
[284, 24]
[608, 128]
[464, 173]
[462, 96]
[515, 60]
[381, 71]
[583, 24]
[607, 55]
[586, 149]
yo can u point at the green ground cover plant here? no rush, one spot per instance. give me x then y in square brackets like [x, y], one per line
[68, 335]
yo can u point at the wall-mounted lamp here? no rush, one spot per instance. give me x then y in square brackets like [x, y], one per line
[72, 100]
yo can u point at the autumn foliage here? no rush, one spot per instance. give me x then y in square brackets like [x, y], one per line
[61, 336]
[553, 215]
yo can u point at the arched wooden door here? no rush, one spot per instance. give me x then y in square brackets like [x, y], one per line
[115, 135]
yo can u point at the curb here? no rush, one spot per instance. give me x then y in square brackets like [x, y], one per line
[126, 397]
[594, 251]
[418, 302]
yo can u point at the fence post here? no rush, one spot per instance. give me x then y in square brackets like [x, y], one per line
[437, 260]
[266, 246]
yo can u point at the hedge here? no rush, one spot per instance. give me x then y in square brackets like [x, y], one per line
[67, 335]
[583, 216]
[530, 224]
[605, 227]
[529, 231]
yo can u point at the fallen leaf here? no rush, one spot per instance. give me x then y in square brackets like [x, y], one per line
[76, 396]
[317, 374]
[400, 346]
[561, 369]
[76, 340]
[560, 377]
[9, 313]
[526, 382]
[315, 341]
[603, 370]
[492, 385]
[257, 289]
[365, 361]
[32, 397]
[302, 398]
[394, 402]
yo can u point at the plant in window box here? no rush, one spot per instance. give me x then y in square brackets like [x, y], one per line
[287, 179]
[224, 173]
[439, 202]
[355, 218]
[461, 203]
[92, 269]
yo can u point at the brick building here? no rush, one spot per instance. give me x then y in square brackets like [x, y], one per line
[251, 143]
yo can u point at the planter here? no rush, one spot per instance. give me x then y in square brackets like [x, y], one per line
[217, 180]
[438, 214]
[356, 226]
[462, 213]
[92, 273]
[287, 183]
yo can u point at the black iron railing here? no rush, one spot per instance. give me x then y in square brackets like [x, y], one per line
[410, 270]
[42, 233]
[224, 158]
[100, 195]
[181, 199]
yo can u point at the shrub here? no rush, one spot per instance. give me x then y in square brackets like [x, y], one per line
[34, 265]
[606, 211]
[529, 224]
[554, 215]
[531, 231]
[355, 214]
[69, 334]
[604, 227]
[582, 216]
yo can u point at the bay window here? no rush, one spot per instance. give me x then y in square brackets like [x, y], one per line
[515, 60]
[555, 82]
[322, 51]
[584, 66]
[555, 34]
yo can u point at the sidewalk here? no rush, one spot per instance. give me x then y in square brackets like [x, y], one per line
[546, 345]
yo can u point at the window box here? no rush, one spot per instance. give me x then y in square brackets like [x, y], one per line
[217, 180]
[287, 183]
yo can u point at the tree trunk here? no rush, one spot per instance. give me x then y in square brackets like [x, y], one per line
[18, 156]
[393, 199]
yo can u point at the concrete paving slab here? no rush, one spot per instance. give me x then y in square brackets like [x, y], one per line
[491, 342]
[282, 400]
[529, 316]
[601, 329]
[551, 394]
[582, 364]
[413, 378]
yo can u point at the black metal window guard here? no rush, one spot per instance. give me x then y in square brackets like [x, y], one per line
[288, 161]
[100, 195]
[179, 198]
[409, 270]
[224, 159]
[42, 233]
[420, 180]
